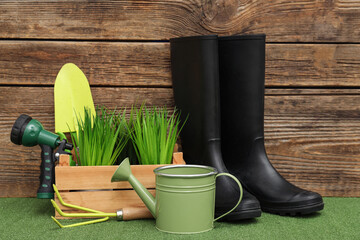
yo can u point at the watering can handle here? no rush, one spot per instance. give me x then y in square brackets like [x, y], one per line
[240, 197]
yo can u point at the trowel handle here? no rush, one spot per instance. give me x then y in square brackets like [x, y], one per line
[47, 173]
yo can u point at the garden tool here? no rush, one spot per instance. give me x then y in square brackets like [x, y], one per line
[71, 96]
[195, 76]
[63, 137]
[242, 75]
[122, 214]
[29, 132]
[185, 196]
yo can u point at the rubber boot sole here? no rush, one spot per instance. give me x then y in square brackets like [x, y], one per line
[241, 215]
[303, 210]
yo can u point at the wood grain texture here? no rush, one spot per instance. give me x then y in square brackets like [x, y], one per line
[98, 177]
[313, 138]
[94, 200]
[312, 135]
[136, 213]
[82, 177]
[325, 65]
[148, 64]
[281, 20]
[125, 64]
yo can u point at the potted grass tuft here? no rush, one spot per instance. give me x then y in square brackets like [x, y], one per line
[148, 137]
[154, 134]
[99, 140]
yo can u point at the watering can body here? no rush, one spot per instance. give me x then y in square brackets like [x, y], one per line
[187, 201]
[185, 196]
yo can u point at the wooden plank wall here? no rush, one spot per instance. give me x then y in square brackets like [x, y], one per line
[312, 102]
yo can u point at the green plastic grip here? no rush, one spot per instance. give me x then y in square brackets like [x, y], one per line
[47, 173]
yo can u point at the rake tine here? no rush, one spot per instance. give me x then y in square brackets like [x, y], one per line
[79, 224]
[96, 214]
[91, 213]
[71, 205]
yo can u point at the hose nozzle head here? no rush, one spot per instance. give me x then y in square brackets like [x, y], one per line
[30, 132]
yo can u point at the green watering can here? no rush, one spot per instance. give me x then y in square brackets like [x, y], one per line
[185, 196]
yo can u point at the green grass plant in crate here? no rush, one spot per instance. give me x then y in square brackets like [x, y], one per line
[99, 140]
[147, 137]
[153, 133]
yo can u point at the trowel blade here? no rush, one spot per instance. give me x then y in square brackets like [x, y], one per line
[71, 95]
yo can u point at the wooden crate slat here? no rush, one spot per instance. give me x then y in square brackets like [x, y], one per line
[89, 177]
[105, 201]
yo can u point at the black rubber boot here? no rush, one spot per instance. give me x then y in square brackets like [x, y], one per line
[195, 76]
[242, 75]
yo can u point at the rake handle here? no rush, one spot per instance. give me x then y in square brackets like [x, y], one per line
[133, 213]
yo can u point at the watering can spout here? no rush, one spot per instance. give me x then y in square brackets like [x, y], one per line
[123, 173]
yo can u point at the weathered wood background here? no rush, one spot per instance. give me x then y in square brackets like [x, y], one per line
[312, 102]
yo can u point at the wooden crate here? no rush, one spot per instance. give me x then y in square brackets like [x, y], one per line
[90, 186]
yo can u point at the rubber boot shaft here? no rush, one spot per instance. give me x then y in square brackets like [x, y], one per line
[242, 75]
[195, 76]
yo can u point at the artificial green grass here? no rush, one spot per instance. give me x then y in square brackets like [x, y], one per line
[29, 218]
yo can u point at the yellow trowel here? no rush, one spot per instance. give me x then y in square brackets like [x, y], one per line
[71, 95]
